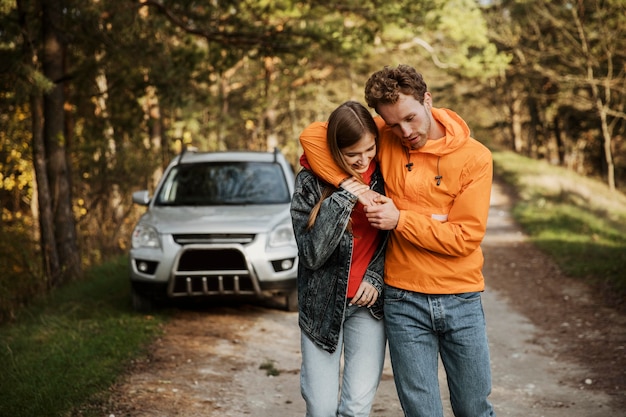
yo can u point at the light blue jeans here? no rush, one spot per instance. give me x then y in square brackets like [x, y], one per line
[362, 341]
[422, 326]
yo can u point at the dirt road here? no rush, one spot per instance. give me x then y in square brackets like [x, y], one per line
[556, 351]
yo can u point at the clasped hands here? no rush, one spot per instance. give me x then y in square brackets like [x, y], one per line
[380, 210]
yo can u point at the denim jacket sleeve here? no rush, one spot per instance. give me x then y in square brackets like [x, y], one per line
[317, 244]
[373, 274]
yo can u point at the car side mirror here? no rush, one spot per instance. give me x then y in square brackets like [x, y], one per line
[141, 197]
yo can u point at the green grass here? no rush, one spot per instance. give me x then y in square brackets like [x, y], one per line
[578, 221]
[67, 349]
[269, 366]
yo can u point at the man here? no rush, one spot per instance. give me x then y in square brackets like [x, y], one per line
[438, 185]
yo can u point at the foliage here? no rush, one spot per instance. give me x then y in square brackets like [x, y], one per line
[69, 347]
[144, 79]
[565, 91]
[16, 174]
[21, 278]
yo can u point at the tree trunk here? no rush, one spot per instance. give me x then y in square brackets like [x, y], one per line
[157, 137]
[608, 154]
[600, 104]
[535, 131]
[271, 138]
[558, 138]
[55, 142]
[516, 124]
[49, 255]
[224, 89]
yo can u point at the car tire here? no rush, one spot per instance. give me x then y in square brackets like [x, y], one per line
[291, 301]
[142, 303]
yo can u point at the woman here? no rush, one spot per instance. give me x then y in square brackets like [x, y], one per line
[340, 276]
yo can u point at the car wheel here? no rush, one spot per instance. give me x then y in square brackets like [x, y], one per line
[291, 300]
[142, 303]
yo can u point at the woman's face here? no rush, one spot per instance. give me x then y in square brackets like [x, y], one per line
[360, 155]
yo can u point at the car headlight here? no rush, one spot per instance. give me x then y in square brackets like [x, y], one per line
[145, 236]
[282, 235]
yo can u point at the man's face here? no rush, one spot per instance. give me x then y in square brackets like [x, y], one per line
[409, 119]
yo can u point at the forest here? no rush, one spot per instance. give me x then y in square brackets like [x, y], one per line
[96, 97]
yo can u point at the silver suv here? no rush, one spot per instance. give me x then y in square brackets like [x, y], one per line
[218, 225]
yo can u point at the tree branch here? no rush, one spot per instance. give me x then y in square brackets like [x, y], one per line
[421, 42]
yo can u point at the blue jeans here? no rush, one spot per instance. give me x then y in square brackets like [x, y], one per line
[362, 341]
[422, 326]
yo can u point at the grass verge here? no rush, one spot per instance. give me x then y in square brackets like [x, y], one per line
[70, 347]
[578, 221]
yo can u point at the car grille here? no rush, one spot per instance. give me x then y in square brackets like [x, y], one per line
[214, 238]
[211, 269]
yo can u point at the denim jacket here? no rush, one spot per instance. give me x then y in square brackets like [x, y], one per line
[325, 253]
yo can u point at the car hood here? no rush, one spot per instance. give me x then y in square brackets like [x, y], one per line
[216, 219]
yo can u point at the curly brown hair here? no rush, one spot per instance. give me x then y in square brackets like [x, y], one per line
[384, 86]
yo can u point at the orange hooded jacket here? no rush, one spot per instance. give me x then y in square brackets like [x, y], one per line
[443, 198]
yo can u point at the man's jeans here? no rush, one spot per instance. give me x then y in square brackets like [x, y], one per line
[362, 340]
[421, 326]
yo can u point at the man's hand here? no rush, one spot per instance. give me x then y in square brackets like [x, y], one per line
[383, 214]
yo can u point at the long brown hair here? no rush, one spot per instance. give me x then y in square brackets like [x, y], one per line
[347, 124]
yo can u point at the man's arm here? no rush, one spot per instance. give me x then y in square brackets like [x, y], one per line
[313, 141]
[460, 234]
[465, 227]
[317, 155]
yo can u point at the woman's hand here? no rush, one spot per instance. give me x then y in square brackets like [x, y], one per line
[366, 196]
[365, 296]
[354, 186]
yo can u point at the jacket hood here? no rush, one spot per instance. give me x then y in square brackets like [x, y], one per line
[457, 133]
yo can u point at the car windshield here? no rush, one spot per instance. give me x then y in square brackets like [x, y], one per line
[224, 183]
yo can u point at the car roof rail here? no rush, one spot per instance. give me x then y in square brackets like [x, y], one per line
[186, 149]
[276, 152]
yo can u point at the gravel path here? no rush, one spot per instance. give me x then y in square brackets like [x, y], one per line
[555, 353]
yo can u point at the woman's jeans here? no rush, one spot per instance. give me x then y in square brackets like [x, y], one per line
[362, 341]
[421, 326]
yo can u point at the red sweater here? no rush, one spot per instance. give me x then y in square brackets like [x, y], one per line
[365, 240]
